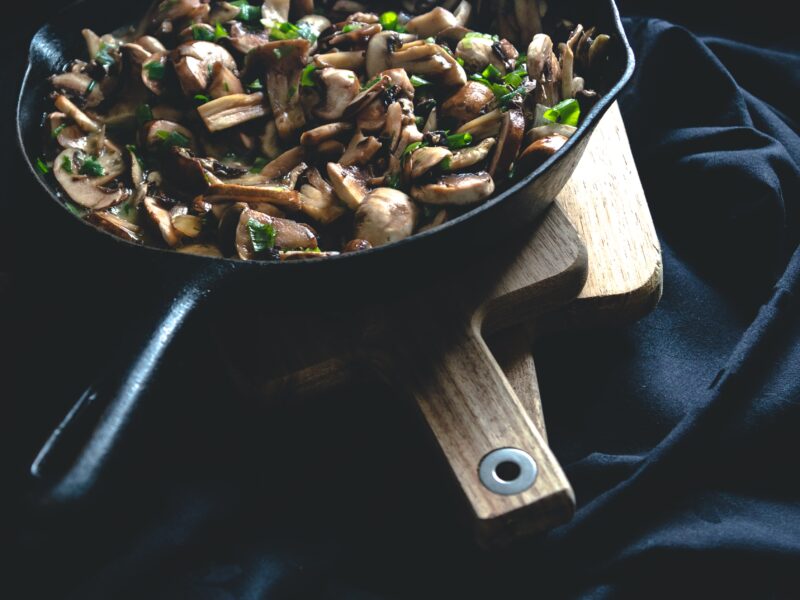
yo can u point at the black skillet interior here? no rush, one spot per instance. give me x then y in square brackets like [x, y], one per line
[82, 446]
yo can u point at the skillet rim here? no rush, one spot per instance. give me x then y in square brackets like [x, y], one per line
[585, 129]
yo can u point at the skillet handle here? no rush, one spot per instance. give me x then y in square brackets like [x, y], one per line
[70, 464]
[508, 474]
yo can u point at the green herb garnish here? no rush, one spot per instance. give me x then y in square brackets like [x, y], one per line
[262, 235]
[66, 164]
[57, 131]
[202, 34]
[144, 114]
[492, 73]
[478, 34]
[256, 85]
[515, 78]
[173, 138]
[498, 89]
[446, 164]
[460, 61]
[507, 99]
[287, 31]
[90, 87]
[411, 148]
[306, 79]
[370, 83]
[92, 167]
[155, 70]
[459, 140]
[74, 209]
[393, 181]
[419, 81]
[132, 149]
[247, 12]
[352, 27]
[292, 91]
[420, 121]
[389, 20]
[219, 32]
[103, 58]
[42, 166]
[202, 98]
[566, 112]
[259, 164]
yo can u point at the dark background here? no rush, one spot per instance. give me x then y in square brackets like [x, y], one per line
[680, 434]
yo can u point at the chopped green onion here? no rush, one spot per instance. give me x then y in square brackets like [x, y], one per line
[567, 112]
[430, 40]
[92, 167]
[460, 61]
[262, 235]
[66, 164]
[57, 131]
[478, 34]
[411, 148]
[419, 81]
[370, 83]
[247, 12]
[393, 181]
[42, 166]
[259, 164]
[287, 31]
[522, 59]
[459, 140]
[155, 70]
[492, 73]
[515, 78]
[352, 27]
[219, 32]
[389, 20]
[202, 98]
[173, 138]
[143, 114]
[420, 122]
[90, 87]
[506, 99]
[103, 58]
[202, 34]
[497, 88]
[256, 85]
[446, 164]
[305, 79]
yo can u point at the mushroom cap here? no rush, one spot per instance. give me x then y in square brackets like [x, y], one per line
[468, 103]
[509, 143]
[426, 158]
[458, 189]
[348, 183]
[386, 215]
[341, 88]
[379, 52]
[539, 151]
[432, 23]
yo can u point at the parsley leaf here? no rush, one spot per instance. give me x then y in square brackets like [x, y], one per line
[66, 164]
[173, 138]
[42, 166]
[247, 12]
[459, 140]
[155, 70]
[57, 131]
[262, 235]
[306, 79]
[419, 81]
[92, 167]
[352, 27]
[202, 34]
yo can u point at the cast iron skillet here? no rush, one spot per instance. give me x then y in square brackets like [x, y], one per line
[79, 450]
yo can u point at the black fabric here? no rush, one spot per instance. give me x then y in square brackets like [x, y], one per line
[680, 434]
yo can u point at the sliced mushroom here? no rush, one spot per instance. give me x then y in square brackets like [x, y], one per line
[399, 79]
[469, 102]
[82, 189]
[224, 82]
[232, 110]
[341, 87]
[379, 52]
[471, 156]
[319, 201]
[189, 226]
[386, 215]
[67, 136]
[361, 150]
[283, 164]
[351, 60]
[348, 183]
[543, 68]
[270, 143]
[432, 23]
[79, 85]
[457, 189]
[194, 62]
[426, 158]
[274, 12]
[539, 151]
[358, 36]
[162, 219]
[73, 112]
[289, 235]
[485, 126]
[543, 131]
[509, 143]
[280, 195]
[209, 250]
[156, 60]
[245, 39]
[314, 137]
[288, 255]
[478, 52]
[430, 60]
[115, 225]
[160, 133]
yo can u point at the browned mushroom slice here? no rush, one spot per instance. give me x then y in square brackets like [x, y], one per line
[340, 87]
[430, 60]
[274, 12]
[485, 126]
[352, 60]
[469, 102]
[386, 215]
[67, 136]
[163, 220]
[151, 44]
[279, 195]
[224, 82]
[348, 183]
[330, 151]
[184, 170]
[319, 201]
[314, 137]
[189, 226]
[73, 112]
[357, 36]
[156, 134]
[230, 111]
[432, 23]
[379, 52]
[284, 234]
[209, 250]
[292, 177]
[538, 152]
[81, 188]
[509, 143]
[367, 95]
[426, 158]
[115, 225]
[458, 190]
[360, 150]
[152, 72]
[283, 164]
[470, 156]
[78, 85]
[543, 67]
[194, 61]
[244, 39]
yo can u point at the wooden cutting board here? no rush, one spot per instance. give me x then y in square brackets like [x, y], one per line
[433, 346]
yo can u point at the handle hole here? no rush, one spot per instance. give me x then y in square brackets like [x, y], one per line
[507, 471]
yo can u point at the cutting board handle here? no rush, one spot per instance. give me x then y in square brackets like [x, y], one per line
[511, 480]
